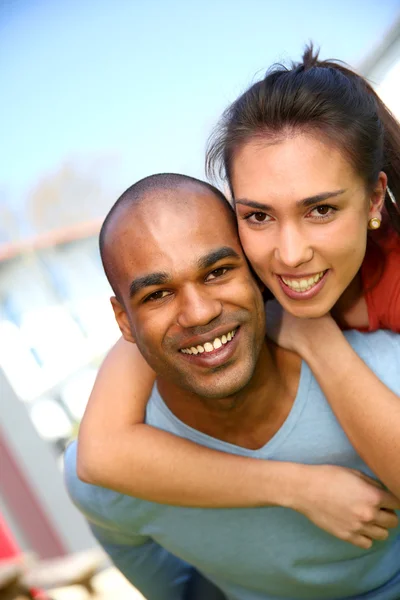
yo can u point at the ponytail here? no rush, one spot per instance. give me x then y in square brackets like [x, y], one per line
[391, 165]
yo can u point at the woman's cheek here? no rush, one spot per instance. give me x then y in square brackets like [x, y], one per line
[257, 250]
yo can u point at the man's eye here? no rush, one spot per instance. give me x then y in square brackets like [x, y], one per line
[217, 273]
[157, 295]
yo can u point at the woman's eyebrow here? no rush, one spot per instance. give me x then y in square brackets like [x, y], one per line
[319, 198]
[253, 204]
[303, 202]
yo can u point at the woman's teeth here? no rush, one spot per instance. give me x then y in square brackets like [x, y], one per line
[303, 285]
[211, 346]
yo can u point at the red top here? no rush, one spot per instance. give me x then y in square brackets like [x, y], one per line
[380, 273]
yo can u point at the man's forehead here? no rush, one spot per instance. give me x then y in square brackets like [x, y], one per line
[187, 196]
[165, 227]
[169, 211]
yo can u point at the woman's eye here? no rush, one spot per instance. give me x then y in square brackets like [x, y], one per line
[157, 295]
[322, 211]
[257, 217]
[217, 273]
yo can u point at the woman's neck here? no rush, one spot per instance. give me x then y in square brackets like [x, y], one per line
[350, 311]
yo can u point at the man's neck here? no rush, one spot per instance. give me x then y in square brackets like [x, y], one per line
[251, 417]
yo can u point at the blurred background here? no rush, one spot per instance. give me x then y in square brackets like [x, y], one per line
[93, 96]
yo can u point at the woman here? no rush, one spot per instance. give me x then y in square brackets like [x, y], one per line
[307, 154]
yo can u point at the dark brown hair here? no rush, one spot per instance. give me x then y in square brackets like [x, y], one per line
[322, 98]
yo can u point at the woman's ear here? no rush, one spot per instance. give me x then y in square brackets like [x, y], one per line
[122, 319]
[377, 198]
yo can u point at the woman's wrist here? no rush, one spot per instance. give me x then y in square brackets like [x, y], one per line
[317, 338]
[285, 484]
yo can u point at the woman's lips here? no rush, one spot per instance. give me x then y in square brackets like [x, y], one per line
[303, 292]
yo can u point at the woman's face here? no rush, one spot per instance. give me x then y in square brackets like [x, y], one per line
[303, 214]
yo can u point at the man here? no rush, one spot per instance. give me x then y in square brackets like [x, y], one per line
[181, 281]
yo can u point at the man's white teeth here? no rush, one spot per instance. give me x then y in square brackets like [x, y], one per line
[303, 285]
[210, 346]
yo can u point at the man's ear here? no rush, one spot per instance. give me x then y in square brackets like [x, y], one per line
[377, 198]
[122, 319]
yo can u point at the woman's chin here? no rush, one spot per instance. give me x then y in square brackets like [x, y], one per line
[306, 310]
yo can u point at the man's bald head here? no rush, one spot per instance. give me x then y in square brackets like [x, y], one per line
[168, 188]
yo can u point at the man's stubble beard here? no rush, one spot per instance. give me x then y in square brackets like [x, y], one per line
[230, 391]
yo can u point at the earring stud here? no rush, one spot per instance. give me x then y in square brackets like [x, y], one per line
[374, 223]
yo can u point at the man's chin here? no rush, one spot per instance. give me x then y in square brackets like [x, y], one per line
[219, 388]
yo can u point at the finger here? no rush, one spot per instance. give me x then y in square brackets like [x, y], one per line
[386, 518]
[369, 479]
[361, 541]
[388, 500]
[374, 532]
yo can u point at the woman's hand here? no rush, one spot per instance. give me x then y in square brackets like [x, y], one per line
[293, 333]
[348, 505]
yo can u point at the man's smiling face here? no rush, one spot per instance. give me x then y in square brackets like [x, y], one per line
[187, 296]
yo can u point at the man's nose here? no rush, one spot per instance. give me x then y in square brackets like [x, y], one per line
[198, 307]
[293, 248]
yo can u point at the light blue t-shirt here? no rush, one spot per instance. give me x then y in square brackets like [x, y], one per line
[269, 553]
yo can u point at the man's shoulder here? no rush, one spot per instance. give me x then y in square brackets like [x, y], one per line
[90, 499]
[380, 350]
[113, 518]
[383, 341]
[100, 506]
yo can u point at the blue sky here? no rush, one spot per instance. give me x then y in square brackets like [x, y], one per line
[140, 83]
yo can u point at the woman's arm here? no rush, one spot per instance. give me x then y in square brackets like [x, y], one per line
[368, 411]
[117, 450]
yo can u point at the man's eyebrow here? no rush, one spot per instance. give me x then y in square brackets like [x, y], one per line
[160, 278]
[304, 202]
[213, 257]
[139, 283]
